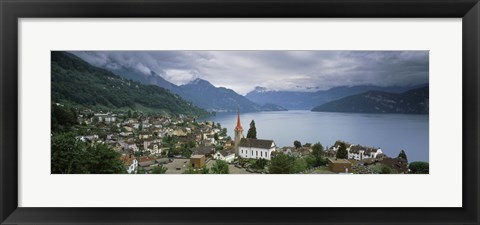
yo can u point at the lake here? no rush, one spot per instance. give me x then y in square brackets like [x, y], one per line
[390, 132]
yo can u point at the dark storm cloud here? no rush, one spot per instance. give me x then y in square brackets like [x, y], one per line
[275, 70]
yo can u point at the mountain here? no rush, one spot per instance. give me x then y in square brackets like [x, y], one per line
[308, 100]
[219, 99]
[76, 82]
[286, 99]
[414, 101]
[200, 92]
[152, 78]
[272, 107]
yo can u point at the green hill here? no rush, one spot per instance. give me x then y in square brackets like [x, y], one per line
[76, 82]
[414, 101]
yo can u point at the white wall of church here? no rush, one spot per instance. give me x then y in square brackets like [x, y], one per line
[255, 153]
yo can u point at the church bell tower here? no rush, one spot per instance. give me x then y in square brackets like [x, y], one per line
[238, 133]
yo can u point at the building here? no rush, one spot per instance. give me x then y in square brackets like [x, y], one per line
[87, 138]
[203, 150]
[197, 161]
[106, 117]
[226, 155]
[154, 148]
[359, 152]
[238, 134]
[356, 152]
[131, 163]
[340, 165]
[256, 148]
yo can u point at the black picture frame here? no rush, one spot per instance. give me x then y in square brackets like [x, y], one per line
[12, 10]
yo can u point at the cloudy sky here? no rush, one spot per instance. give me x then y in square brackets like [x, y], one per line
[275, 70]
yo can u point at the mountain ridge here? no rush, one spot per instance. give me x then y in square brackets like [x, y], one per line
[308, 100]
[76, 82]
[414, 101]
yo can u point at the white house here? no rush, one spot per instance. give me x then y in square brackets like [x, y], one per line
[131, 163]
[359, 152]
[130, 145]
[133, 166]
[106, 117]
[87, 138]
[225, 155]
[256, 148]
[154, 148]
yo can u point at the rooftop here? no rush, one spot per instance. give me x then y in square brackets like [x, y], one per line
[339, 161]
[256, 143]
[197, 156]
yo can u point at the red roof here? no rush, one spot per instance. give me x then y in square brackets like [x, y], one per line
[239, 125]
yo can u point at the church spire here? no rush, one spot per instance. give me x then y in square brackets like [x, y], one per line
[238, 133]
[239, 125]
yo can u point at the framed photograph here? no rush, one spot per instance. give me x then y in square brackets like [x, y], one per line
[251, 112]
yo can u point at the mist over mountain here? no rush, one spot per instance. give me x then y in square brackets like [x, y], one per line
[306, 78]
[76, 82]
[201, 93]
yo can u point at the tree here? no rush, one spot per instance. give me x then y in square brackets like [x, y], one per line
[220, 167]
[403, 155]
[215, 136]
[317, 155]
[186, 153]
[101, 159]
[385, 170]
[63, 118]
[282, 164]
[342, 152]
[252, 131]
[419, 167]
[223, 132]
[66, 154]
[75, 157]
[159, 170]
[191, 144]
[297, 144]
[191, 170]
[172, 152]
[204, 170]
[300, 165]
[259, 164]
[381, 169]
[129, 114]
[141, 170]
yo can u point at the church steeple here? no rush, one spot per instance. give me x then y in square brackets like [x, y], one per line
[239, 125]
[238, 133]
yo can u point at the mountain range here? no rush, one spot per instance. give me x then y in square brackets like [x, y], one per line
[219, 99]
[75, 82]
[309, 100]
[205, 95]
[414, 101]
[200, 92]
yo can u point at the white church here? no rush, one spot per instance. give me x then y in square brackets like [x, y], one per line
[252, 148]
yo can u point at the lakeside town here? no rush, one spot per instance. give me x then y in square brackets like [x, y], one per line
[136, 143]
[139, 112]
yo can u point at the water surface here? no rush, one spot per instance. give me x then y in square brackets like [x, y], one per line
[390, 132]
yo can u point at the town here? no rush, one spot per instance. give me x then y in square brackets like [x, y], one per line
[163, 144]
